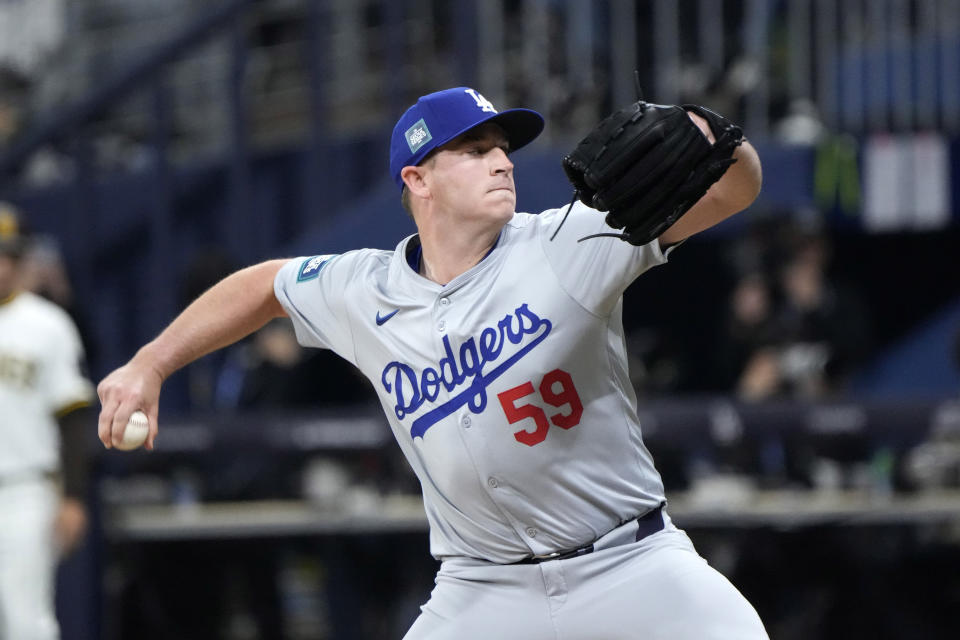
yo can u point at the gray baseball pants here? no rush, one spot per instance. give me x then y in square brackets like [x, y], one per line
[656, 589]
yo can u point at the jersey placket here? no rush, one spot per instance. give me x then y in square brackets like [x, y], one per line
[473, 435]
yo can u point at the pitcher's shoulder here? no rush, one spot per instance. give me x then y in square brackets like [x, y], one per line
[551, 219]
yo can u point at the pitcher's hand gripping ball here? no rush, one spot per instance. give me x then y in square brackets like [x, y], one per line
[138, 427]
[647, 164]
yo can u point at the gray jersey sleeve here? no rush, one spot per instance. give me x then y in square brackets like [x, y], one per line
[314, 292]
[594, 272]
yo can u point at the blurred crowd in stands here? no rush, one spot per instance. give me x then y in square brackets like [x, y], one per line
[52, 52]
[791, 330]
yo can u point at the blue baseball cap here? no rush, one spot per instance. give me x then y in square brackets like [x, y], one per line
[437, 118]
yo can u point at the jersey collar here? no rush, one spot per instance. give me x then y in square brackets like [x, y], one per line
[415, 251]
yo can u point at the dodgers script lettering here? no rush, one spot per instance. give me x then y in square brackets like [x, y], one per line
[463, 369]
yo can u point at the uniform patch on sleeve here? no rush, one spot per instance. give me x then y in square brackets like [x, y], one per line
[311, 267]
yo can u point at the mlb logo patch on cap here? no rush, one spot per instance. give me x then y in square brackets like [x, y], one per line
[418, 135]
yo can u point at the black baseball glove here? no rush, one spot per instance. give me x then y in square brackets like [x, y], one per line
[647, 164]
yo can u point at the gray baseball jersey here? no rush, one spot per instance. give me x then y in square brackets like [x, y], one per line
[506, 388]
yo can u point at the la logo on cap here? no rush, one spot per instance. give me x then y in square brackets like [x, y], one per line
[418, 135]
[483, 103]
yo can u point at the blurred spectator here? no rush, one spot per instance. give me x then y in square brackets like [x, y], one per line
[801, 336]
[270, 374]
[825, 330]
[273, 370]
[756, 250]
[748, 357]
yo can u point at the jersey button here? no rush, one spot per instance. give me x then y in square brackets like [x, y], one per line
[531, 532]
[467, 421]
[444, 301]
[441, 325]
[492, 482]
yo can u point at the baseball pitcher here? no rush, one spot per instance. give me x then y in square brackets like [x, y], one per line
[495, 342]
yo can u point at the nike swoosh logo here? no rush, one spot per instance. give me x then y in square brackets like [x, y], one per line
[381, 319]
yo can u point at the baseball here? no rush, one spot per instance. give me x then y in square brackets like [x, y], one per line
[136, 432]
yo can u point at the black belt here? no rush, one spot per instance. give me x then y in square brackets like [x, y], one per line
[647, 524]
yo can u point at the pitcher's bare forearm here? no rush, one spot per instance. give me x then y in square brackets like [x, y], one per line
[232, 309]
[227, 312]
